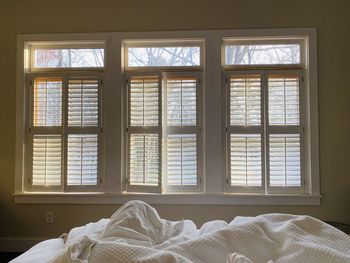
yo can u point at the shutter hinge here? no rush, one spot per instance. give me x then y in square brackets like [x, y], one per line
[30, 82]
[226, 80]
[101, 81]
[226, 129]
[302, 79]
[126, 180]
[200, 180]
[101, 129]
[127, 130]
[101, 180]
[127, 81]
[30, 130]
[29, 181]
[227, 181]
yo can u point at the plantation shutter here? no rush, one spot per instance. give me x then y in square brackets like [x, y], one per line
[47, 160]
[83, 103]
[246, 160]
[284, 133]
[65, 143]
[144, 134]
[46, 148]
[245, 133]
[47, 102]
[82, 159]
[183, 133]
[84, 132]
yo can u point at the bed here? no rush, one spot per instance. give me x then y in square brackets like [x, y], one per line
[136, 233]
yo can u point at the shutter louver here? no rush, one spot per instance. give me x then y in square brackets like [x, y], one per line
[82, 159]
[245, 160]
[47, 102]
[284, 155]
[245, 100]
[46, 166]
[144, 102]
[83, 103]
[181, 101]
[283, 92]
[182, 159]
[144, 154]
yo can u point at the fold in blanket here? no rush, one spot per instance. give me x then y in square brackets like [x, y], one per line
[136, 233]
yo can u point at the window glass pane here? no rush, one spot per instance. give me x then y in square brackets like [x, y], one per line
[82, 159]
[144, 159]
[245, 160]
[163, 56]
[260, 54]
[283, 99]
[182, 159]
[47, 102]
[181, 101]
[284, 157]
[83, 103]
[245, 100]
[69, 58]
[46, 169]
[144, 102]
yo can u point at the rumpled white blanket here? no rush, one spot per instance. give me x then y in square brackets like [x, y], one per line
[136, 233]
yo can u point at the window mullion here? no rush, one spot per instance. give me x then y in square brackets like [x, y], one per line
[265, 131]
[65, 131]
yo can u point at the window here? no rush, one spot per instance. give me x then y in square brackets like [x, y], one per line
[201, 117]
[66, 55]
[265, 121]
[163, 130]
[65, 128]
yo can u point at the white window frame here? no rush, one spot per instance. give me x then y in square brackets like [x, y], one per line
[163, 73]
[213, 120]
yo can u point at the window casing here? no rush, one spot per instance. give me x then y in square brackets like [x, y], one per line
[163, 131]
[64, 122]
[212, 149]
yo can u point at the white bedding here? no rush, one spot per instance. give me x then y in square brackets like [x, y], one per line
[136, 233]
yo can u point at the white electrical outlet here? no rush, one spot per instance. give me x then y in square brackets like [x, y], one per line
[49, 217]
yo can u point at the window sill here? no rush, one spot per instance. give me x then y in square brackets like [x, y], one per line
[188, 199]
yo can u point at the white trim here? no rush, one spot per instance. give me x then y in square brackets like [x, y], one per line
[212, 130]
[183, 198]
[18, 244]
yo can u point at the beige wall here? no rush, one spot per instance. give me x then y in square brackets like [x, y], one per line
[331, 18]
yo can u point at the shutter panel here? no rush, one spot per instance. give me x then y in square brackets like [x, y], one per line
[182, 159]
[283, 92]
[144, 102]
[245, 100]
[47, 102]
[144, 134]
[245, 160]
[284, 156]
[181, 101]
[46, 166]
[83, 103]
[82, 159]
[144, 154]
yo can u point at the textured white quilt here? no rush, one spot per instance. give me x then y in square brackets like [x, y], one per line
[136, 233]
